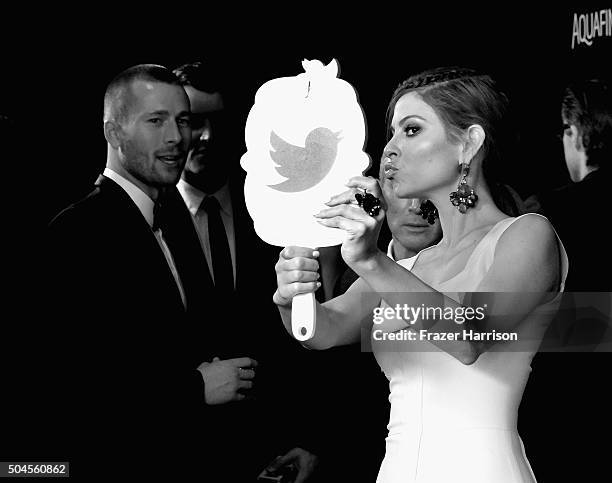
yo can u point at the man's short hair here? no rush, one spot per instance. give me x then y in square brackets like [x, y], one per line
[118, 97]
[588, 106]
[201, 76]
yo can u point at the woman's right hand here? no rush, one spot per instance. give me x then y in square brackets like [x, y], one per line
[296, 272]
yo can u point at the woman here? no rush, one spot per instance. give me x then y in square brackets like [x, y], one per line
[454, 398]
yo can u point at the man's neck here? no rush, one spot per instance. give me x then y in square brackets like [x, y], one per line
[400, 252]
[151, 191]
[204, 184]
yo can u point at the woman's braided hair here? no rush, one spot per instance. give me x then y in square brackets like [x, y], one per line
[462, 97]
[435, 76]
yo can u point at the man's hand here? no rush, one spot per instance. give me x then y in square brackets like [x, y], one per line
[224, 379]
[304, 461]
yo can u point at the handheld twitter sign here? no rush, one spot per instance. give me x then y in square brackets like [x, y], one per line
[305, 137]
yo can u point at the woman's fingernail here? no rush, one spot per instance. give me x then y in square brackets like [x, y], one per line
[315, 254]
[318, 284]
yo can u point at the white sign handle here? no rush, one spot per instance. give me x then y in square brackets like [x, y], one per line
[304, 316]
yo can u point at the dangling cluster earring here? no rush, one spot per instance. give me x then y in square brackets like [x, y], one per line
[465, 197]
[428, 211]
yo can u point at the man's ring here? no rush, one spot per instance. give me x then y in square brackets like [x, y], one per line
[370, 203]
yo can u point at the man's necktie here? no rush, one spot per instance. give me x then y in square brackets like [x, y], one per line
[157, 215]
[220, 254]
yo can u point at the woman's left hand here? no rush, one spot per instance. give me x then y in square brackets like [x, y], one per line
[362, 229]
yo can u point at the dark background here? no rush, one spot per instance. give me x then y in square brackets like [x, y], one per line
[56, 65]
[56, 71]
[55, 74]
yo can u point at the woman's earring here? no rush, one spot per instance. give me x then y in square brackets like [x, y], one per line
[429, 211]
[465, 197]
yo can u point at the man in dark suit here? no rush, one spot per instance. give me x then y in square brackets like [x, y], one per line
[130, 290]
[575, 209]
[268, 422]
[573, 380]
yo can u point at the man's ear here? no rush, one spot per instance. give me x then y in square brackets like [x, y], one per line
[113, 133]
[475, 140]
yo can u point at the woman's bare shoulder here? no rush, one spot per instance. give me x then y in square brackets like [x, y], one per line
[528, 249]
[529, 228]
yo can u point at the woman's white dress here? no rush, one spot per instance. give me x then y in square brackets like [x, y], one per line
[452, 422]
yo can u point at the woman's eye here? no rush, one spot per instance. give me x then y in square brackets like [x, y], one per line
[184, 122]
[155, 120]
[411, 130]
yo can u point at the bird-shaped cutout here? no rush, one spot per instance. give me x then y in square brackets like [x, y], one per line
[307, 166]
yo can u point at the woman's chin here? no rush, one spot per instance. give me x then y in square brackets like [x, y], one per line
[402, 191]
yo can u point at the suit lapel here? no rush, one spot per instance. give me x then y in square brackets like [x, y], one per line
[243, 233]
[137, 234]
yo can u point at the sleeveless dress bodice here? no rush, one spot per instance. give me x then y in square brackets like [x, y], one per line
[451, 422]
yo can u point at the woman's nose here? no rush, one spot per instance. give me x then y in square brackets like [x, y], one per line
[390, 151]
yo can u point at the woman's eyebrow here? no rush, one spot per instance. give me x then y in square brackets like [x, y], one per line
[406, 118]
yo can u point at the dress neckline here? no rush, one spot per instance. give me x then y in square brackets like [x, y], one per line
[474, 251]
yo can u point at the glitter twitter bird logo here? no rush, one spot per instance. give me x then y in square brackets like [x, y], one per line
[304, 167]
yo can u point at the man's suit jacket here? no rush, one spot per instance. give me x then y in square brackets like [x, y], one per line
[239, 326]
[250, 326]
[575, 210]
[126, 347]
